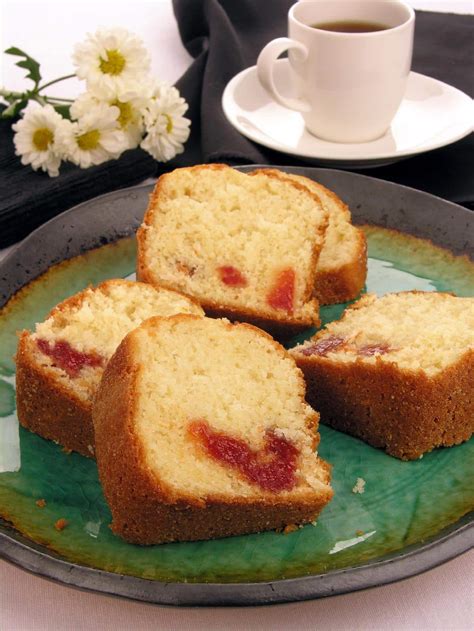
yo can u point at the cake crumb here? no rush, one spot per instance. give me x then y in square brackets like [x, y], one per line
[289, 528]
[91, 449]
[66, 450]
[359, 486]
[40, 503]
[61, 524]
[359, 533]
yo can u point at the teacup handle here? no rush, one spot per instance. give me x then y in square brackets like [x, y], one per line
[265, 63]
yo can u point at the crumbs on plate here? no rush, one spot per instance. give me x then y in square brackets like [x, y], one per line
[359, 486]
[61, 524]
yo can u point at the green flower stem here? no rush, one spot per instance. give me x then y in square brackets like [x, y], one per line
[11, 96]
[54, 99]
[8, 95]
[45, 85]
[39, 99]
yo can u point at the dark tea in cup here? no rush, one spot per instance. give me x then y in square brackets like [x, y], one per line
[351, 26]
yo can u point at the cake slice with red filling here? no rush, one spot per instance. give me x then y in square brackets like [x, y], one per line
[342, 265]
[396, 371]
[245, 246]
[60, 364]
[212, 434]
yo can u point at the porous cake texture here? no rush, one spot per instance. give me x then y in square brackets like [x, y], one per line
[396, 371]
[341, 270]
[212, 434]
[60, 364]
[245, 246]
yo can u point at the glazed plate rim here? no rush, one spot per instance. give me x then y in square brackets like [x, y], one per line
[448, 544]
[404, 563]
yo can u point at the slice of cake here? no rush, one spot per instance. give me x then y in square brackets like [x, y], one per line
[396, 371]
[211, 434]
[342, 265]
[245, 246]
[59, 366]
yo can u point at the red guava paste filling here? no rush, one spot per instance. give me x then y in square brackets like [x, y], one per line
[66, 357]
[373, 349]
[323, 347]
[282, 294]
[232, 276]
[272, 468]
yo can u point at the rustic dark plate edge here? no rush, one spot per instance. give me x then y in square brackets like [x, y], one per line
[18, 551]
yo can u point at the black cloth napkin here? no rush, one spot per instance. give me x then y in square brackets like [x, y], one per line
[29, 198]
[224, 37]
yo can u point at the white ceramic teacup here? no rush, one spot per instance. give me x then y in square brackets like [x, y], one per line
[350, 85]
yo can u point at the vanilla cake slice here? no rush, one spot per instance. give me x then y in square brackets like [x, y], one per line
[341, 270]
[211, 434]
[60, 364]
[245, 246]
[396, 371]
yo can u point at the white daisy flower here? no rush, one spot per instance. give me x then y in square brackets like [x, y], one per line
[83, 104]
[36, 138]
[109, 60]
[130, 106]
[94, 138]
[167, 129]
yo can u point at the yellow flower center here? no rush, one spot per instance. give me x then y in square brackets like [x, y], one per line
[169, 123]
[114, 64]
[89, 140]
[42, 138]
[126, 113]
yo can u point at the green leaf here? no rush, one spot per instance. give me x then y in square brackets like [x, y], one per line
[28, 63]
[63, 110]
[14, 108]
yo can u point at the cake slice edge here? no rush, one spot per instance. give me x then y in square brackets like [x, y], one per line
[141, 508]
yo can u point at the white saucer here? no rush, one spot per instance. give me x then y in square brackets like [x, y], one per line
[432, 114]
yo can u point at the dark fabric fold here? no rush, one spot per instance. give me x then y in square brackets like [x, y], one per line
[224, 37]
[228, 35]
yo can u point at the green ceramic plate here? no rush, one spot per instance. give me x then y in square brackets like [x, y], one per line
[412, 515]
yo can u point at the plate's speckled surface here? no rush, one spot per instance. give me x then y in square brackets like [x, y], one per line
[405, 504]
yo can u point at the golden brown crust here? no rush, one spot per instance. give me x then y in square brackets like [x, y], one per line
[47, 407]
[406, 413]
[150, 521]
[345, 283]
[280, 325]
[143, 509]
